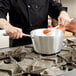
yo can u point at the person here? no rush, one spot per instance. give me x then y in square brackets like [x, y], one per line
[26, 15]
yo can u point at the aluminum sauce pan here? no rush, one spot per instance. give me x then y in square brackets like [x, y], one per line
[47, 43]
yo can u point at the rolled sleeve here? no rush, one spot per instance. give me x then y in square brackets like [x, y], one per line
[55, 8]
[4, 8]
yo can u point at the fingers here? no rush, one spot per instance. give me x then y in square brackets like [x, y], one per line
[63, 19]
[19, 33]
[15, 33]
[60, 22]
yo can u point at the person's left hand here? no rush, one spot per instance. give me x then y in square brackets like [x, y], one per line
[63, 18]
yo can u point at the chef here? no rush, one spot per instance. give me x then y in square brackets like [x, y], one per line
[26, 15]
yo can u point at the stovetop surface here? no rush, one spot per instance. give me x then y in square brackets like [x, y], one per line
[24, 61]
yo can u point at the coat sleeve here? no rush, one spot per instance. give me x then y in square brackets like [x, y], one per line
[55, 8]
[4, 8]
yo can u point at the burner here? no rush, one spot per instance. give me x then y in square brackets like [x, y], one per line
[7, 61]
[45, 54]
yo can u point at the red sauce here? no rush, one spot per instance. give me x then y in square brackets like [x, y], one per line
[46, 31]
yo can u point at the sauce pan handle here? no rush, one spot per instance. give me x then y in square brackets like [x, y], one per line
[25, 35]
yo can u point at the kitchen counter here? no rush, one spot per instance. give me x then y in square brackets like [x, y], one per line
[4, 40]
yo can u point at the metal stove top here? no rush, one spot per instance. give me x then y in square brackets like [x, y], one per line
[23, 61]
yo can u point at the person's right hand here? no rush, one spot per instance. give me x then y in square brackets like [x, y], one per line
[14, 32]
[63, 18]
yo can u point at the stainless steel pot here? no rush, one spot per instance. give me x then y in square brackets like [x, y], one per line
[47, 43]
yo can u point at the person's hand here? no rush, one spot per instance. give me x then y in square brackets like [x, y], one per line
[63, 18]
[14, 32]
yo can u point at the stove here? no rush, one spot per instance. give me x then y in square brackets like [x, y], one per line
[23, 61]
